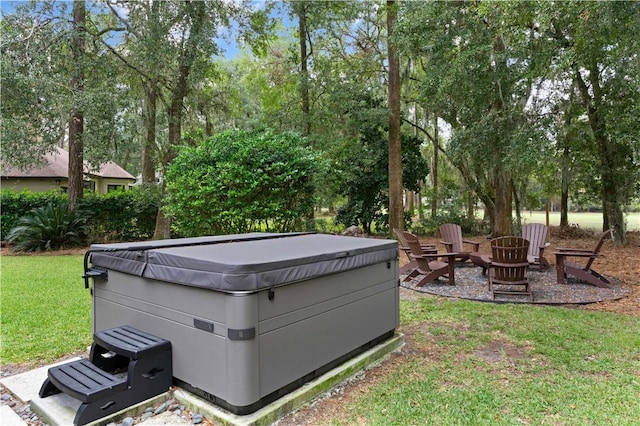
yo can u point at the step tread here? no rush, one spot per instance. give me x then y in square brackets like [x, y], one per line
[85, 381]
[131, 342]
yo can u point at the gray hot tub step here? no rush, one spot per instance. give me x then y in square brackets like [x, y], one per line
[98, 382]
[130, 342]
[83, 381]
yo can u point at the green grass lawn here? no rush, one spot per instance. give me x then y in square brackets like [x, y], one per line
[45, 309]
[471, 363]
[465, 363]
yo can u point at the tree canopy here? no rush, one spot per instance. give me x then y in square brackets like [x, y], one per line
[526, 101]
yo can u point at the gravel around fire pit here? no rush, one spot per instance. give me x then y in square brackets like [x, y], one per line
[471, 284]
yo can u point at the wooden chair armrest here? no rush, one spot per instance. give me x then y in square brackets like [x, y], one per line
[451, 255]
[447, 245]
[437, 255]
[577, 254]
[403, 248]
[574, 250]
[427, 246]
[474, 244]
[428, 256]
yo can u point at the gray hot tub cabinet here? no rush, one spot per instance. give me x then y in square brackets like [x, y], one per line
[251, 316]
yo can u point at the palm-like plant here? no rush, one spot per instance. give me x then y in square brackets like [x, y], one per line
[50, 227]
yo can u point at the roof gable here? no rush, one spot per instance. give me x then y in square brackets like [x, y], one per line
[58, 167]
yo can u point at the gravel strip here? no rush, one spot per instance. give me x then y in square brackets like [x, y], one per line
[472, 285]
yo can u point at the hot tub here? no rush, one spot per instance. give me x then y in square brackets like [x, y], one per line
[250, 317]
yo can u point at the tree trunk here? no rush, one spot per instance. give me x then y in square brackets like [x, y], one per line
[197, 13]
[503, 200]
[471, 205]
[516, 200]
[419, 205]
[149, 143]
[163, 223]
[304, 73]
[434, 169]
[564, 190]
[612, 196]
[484, 193]
[409, 197]
[490, 214]
[396, 210]
[304, 89]
[76, 124]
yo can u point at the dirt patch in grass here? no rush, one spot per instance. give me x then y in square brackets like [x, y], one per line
[498, 351]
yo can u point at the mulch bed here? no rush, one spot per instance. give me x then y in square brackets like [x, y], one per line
[472, 285]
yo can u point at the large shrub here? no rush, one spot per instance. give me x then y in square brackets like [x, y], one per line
[50, 227]
[122, 215]
[16, 204]
[116, 216]
[241, 181]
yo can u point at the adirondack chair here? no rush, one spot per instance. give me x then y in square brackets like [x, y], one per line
[452, 239]
[583, 272]
[428, 264]
[508, 269]
[412, 264]
[536, 234]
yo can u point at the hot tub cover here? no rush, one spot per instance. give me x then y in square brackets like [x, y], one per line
[244, 262]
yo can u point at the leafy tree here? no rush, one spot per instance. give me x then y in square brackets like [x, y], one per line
[342, 62]
[597, 50]
[317, 25]
[240, 181]
[36, 99]
[168, 48]
[32, 79]
[363, 177]
[480, 64]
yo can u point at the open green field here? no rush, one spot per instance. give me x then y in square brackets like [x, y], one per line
[585, 220]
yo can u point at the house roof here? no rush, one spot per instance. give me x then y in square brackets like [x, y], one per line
[58, 167]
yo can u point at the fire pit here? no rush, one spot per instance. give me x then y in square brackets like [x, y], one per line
[250, 317]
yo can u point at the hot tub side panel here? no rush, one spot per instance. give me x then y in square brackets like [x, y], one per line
[241, 347]
[194, 320]
[307, 326]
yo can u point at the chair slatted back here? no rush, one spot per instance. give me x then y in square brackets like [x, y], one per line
[414, 245]
[606, 234]
[400, 236]
[452, 233]
[536, 234]
[509, 262]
